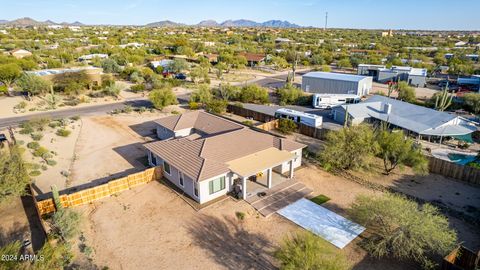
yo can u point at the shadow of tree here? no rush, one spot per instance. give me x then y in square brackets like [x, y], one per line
[17, 233]
[230, 244]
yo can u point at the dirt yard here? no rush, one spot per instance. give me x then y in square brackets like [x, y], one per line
[421, 93]
[151, 227]
[111, 146]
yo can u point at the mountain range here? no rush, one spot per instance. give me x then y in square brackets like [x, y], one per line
[207, 23]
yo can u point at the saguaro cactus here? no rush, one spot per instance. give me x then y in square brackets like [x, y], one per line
[444, 100]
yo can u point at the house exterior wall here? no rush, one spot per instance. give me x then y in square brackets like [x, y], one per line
[204, 191]
[386, 76]
[285, 167]
[418, 81]
[183, 132]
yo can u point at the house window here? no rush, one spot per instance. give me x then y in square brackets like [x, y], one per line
[195, 189]
[216, 185]
[180, 177]
[166, 167]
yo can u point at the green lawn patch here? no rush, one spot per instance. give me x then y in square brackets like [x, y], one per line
[320, 199]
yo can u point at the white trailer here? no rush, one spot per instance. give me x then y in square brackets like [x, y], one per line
[327, 101]
[299, 117]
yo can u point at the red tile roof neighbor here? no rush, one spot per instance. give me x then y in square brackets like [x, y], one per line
[253, 57]
[206, 157]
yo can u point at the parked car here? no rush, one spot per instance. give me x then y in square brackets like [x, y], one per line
[180, 76]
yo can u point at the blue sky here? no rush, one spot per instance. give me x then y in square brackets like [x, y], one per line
[405, 14]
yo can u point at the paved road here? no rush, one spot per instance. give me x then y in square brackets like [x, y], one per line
[80, 111]
[277, 81]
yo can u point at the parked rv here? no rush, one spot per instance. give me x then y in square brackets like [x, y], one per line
[299, 117]
[327, 101]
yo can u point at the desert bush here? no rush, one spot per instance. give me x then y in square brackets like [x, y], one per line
[36, 136]
[286, 126]
[40, 151]
[218, 106]
[63, 132]
[75, 118]
[193, 105]
[35, 173]
[33, 145]
[240, 215]
[65, 223]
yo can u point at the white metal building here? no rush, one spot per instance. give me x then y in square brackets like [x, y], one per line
[336, 83]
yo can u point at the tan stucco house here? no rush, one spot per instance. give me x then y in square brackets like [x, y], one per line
[20, 53]
[208, 156]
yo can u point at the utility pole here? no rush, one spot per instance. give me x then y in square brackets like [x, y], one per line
[326, 20]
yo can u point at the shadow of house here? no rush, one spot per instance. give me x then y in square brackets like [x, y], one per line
[135, 154]
[230, 245]
[145, 129]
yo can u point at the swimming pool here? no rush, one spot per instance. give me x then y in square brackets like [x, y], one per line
[461, 158]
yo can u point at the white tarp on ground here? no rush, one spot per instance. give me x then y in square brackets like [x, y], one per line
[332, 227]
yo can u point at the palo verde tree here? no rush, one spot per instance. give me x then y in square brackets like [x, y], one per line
[472, 100]
[33, 84]
[406, 92]
[396, 150]
[305, 250]
[352, 147]
[13, 173]
[403, 229]
[8, 74]
[163, 97]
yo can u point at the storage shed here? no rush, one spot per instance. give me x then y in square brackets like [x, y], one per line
[336, 83]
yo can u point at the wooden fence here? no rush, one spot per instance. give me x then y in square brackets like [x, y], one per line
[98, 192]
[268, 125]
[258, 116]
[461, 258]
[449, 169]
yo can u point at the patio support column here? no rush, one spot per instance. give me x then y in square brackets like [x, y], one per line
[269, 178]
[291, 169]
[150, 158]
[244, 188]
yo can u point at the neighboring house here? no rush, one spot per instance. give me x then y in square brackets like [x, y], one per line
[416, 120]
[20, 53]
[93, 73]
[207, 156]
[253, 59]
[414, 76]
[336, 83]
[89, 57]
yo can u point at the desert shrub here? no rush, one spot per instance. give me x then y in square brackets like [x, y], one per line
[44, 167]
[305, 250]
[137, 88]
[218, 106]
[40, 151]
[54, 124]
[51, 162]
[21, 105]
[72, 102]
[162, 98]
[286, 126]
[240, 215]
[253, 94]
[33, 145]
[289, 94]
[75, 118]
[247, 123]
[27, 128]
[127, 109]
[63, 132]
[193, 105]
[35, 173]
[65, 223]
[175, 112]
[36, 136]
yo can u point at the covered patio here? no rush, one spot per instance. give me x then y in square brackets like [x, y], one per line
[256, 171]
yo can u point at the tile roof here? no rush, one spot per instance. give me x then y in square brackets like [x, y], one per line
[205, 157]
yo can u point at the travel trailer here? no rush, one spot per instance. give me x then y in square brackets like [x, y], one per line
[299, 117]
[327, 101]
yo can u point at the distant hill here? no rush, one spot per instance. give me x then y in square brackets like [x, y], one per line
[31, 22]
[164, 24]
[208, 23]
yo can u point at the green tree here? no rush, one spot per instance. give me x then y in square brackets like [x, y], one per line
[397, 151]
[253, 93]
[198, 73]
[10, 249]
[33, 84]
[228, 92]
[286, 126]
[111, 66]
[13, 173]
[344, 63]
[202, 94]
[289, 94]
[178, 65]
[279, 63]
[163, 97]
[218, 106]
[8, 74]
[406, 92]
[309, 252]
[472, 100]
[352, 147]
[402, 229]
